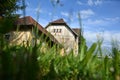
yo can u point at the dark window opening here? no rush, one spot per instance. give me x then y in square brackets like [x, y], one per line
[7, 36]
[60, 30]
[57, 30]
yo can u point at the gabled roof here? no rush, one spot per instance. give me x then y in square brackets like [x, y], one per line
[29, 21]
[61, 22]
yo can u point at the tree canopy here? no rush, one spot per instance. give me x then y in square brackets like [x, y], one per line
[9, 7]
[8, 14]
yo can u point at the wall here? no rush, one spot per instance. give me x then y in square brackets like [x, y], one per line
[64, 37]
[18, 37]
[25, 38]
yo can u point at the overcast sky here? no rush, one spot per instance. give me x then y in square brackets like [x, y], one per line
[99, 17]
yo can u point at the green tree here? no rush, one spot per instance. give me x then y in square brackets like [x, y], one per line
[9, 7]
[8, 14]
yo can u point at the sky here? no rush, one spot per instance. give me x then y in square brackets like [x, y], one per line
[99, 18]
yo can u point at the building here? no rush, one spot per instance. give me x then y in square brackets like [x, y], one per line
[27, 30]
[64, 34]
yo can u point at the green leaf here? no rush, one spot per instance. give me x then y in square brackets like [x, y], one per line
[82, 53]
[89, 54]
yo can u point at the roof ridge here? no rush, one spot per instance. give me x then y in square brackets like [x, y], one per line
[61, 20]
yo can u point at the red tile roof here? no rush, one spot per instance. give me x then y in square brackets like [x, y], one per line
[30, 21]
[25, 21]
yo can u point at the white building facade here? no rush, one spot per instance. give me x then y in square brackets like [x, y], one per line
[64, 34]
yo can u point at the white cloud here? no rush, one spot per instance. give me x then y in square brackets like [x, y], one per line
[93, 28]
[38, 10]
[79, 3]
[113, 19]
[90, 2]
[86, 13]
[98, 2]
[66, 14]
[91, 36]
[102, 22]
[109, 35]
[94, 2]
[95, 22]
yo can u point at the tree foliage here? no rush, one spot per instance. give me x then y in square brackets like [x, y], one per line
[9, 7]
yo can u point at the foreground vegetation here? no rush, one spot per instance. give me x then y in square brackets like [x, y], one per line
[29, 63]
[21, 62]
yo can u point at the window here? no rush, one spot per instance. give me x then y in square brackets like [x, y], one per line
[7, 36]
[57, 30]
[54, 30]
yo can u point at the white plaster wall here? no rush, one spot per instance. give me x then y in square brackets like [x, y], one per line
[65, 37]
